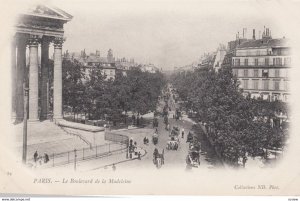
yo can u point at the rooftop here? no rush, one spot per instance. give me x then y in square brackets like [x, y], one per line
[279, 42]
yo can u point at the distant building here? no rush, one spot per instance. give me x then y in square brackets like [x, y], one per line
[219, 57]
[94, 60]
[149, 68]
[190, 67]
[207, 60]
[262, 67]
[124, 65]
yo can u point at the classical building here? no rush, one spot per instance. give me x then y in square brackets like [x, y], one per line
[35, 30]
[262, 67]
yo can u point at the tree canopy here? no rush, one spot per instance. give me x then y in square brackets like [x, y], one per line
[236, 125]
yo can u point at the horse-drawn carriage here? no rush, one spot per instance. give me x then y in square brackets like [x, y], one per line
[189, 137]
[155, 138]
[172, 144]
[158, 159]
[175, 131]
[193, 158]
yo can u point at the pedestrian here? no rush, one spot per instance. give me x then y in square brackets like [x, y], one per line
[133, 119]
[35, 156]
[46, 158]
[130, 141]
[244, 161]
[114, 167]
[139, 155]
[182, 133]
[138, 120]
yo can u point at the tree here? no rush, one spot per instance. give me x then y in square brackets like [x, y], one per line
[72, 85]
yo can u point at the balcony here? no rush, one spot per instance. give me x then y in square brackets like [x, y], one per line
[260, 64]
[247, 54]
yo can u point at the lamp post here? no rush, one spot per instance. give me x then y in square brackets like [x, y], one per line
[75, 157]
[26, 91]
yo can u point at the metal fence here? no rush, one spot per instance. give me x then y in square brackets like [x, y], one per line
[63, 158]
[118, 144]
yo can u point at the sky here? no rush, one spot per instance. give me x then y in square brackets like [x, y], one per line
[166, 33]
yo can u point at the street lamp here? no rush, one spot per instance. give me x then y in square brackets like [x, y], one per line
[26, 91]
[75, 157]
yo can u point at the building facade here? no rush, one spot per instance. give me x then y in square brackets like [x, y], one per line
[107, 64]
[262, 67]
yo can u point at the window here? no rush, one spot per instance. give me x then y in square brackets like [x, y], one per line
[265, 73]
[235, 72]
[237, 62]
[286, 73]
[245, 73]
[286, 86]
[287, 61]
[276, 84]
[278, 61]
[256, 62]
[255, 84]
[246, 62]
[255, 73]
[266, 84]
[266, 61]
[277, 73]
[245, 84]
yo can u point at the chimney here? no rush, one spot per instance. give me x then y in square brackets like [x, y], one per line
[253, 37]
[243, 32]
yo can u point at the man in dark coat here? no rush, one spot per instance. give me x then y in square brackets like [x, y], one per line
[35, 156]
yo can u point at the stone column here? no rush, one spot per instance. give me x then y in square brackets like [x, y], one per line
[13, 78]
[57, 81]
[44, 78]
[20, 77]
[33, 79]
